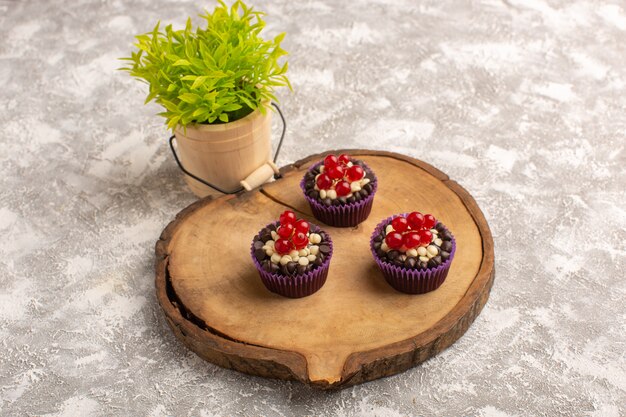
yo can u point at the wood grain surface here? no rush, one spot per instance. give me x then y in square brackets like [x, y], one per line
[356, 328]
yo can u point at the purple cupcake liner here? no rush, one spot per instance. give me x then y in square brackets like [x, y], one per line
[411, 281]
[295, 286]
[347, 215]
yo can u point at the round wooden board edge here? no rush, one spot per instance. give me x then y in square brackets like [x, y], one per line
[360, 366]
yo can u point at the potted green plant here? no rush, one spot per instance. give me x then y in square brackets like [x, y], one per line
[215, 84]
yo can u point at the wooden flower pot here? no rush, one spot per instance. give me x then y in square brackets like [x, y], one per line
[225, 154]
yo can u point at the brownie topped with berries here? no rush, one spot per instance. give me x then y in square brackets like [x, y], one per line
[339, 180]
[415, 241]
[291, 246]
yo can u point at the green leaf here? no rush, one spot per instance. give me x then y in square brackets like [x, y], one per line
[188, 98]
[211, 73]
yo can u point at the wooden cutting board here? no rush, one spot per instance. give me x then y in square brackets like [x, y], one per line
[356, 328]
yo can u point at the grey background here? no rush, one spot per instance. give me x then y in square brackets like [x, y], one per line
[522, 102]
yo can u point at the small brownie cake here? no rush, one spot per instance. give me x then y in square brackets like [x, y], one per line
[340, 190]
[292, 256]
[414, 252]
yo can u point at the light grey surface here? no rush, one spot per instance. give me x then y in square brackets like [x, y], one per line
[522, 102]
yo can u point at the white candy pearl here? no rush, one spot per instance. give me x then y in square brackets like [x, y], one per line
[322, 193]
[355, 186]
[421, 251]
[412, 252]
[434, 231]
[423, 259]
[384, 247]
[311, 258]
[269, 251]
[432, 251]
[364, 181]
[303, 252]
[332, 194]
[402, 257]
[322, 168]
[303, 261]
[269, 243]
[438, 242]
[313, 250]
[276, 258]
[293, 253]
[349, 164]
[274, 235]
[388, 229]
[315, 238]
[285, 259]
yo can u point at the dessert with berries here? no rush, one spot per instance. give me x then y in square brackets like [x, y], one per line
[292, 256]
[340, 190]
[414, 251]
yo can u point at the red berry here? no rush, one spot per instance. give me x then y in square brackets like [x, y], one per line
[394, 240]
[416, 220]
[336, 172]
[300, 240]
[355, 173]
[399, 224]
[285, 230]
[324, 182]
[411, 239]
[302, 226]
[331, 161]
[288, 216]
[282, 246]
[425, 237]
[429, 221]
[343, 188]
[344, 159]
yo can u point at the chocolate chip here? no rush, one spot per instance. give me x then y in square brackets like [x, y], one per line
[327, 202]
[446, 246]
[314, 194]
[309, 175]
[325, 249]
[410, 262]
[265, 235]
[284, 270]
[392, 254]
[446, 235]
[378, 238]
[398, 262]
[381, 254]
[440, 227]
[432, 263]
[423, 265]
[301, 269]
[368, 187]
[309, 267]
[272, 227]
[364, 193]
[336, 202]
[445, 255]
[342, 200]
[309, 184]
[291, 267]
[267, 266]
[259, 254]
[351, 200]
[377, 245]
[319, 260]
[323, 235]
[258, 244]
[274, 267]
[438, 259]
